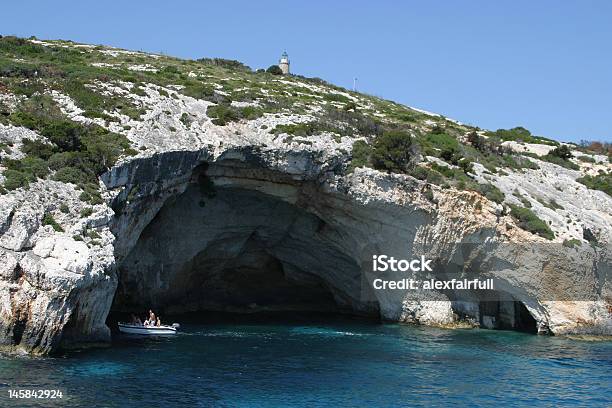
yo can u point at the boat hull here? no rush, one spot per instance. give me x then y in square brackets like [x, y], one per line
[147, 330]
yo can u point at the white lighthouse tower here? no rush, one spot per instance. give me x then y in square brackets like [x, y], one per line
[283, 63]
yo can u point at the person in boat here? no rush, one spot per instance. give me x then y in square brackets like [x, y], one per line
[136, 320]
[151, 320]
[158, 322]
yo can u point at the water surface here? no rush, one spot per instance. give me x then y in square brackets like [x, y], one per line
[323, 363]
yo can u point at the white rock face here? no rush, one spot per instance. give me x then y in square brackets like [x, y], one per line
[54, 291]
[290, 219]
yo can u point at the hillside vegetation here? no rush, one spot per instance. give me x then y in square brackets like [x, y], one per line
[89, 106]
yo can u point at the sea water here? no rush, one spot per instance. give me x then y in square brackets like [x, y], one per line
[322, 363]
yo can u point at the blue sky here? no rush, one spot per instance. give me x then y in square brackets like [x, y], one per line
[545, 65]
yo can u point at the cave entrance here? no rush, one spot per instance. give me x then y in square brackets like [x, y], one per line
[506, 315]
[239, 250]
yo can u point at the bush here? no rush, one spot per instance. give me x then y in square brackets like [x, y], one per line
[225, 63]
[196, 90]
[571, 243]
[223, 114]
[395, 151]
[520, 134]
[559, 161]
[530, 222]
[38, 148]
[250, 112]
[444, 170]
[467, 166]
[492, 193]
[586, 159]
[86, 212]
[49, 220]
[562, 152]
[274, 70]
[32, 167]
[601, 182]
[79, 153]
[335, 97]
[185, 119]
[360, 155]
[71, 175]
[14, 179]
[350, 106]
[436, 142]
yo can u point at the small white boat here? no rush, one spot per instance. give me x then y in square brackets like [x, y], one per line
[147, 330]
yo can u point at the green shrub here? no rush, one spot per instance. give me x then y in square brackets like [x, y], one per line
[526, 203]
[492, 193]
[335, 97]
[32, 167]
[14, 179]
[185, 119]
[78, 152]
[395, 151]
[86, 212]
[274, 70]
[420, 172]
[436, 142]
[360, 155]
[601, 182]
[559, 161]
[520, 134]
[297, 129]
[71, 175]
[527, 220]
[586, 159]
[444, 170]
[223, 114]
[467, 166]
[251, 112]
[49, 220]
[38, 148]
[91, 194]
[225, 63]
[571, 243]
[196, 90]
[350, 105]
[562, 152]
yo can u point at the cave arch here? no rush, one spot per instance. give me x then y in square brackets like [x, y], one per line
[224, 246]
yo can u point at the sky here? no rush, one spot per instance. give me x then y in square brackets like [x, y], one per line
[545, 65]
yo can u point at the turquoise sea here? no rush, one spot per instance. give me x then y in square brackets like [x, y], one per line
[325, 362]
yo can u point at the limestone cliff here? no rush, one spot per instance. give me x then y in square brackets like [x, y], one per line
[239, 191]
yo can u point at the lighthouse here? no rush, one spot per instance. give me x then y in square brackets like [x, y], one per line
[283, 63]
